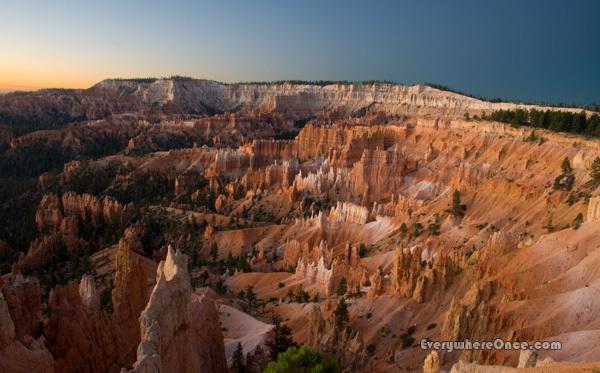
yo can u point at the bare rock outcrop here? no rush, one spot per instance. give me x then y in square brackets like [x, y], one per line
[474, 318]
[347, 346]
[21, 356]
[500, 243]
[527, 360]
[83, 208]
[415, 277]
[48, 216]
[593, 212]
[200, 347]
[61, 221]
[7, 327]
[88, 293]
[345, 212]
[180, 332]
[80, 337]
[469, 317]
[326, 273]
[23, 299]
[376, 281]
[22, 348]
[130, 293]
[431, 363]
[41, 251]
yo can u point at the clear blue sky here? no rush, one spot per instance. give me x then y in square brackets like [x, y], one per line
[524, 50]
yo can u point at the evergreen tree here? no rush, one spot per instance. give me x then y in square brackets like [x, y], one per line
[301, 296]
[595, 171]
[283, 339]
[403, 228]
[341, 313]
[238, 360]
[578, 221]
[553, 120]
[250, 296]
[213, 251]
[342, 287]
[565, 180]
[532, 137]
[220, 287]
[418, 229]
[566, 166]
[456, 204]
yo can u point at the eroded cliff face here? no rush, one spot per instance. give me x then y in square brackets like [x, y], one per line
[64, 213]
[130, 293]
[188, 95]
[335, 188]
[345, 345]
[23, 299]
[179, 330]
[320, 269]
[79, 335]
[274, 202]
[67, 224]
[22, 349]
[418, 276]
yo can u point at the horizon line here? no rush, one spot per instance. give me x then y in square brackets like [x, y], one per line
[32, 89]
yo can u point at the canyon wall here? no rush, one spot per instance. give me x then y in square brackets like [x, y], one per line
[179, 96]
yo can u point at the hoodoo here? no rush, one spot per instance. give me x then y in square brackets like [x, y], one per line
[195, 226]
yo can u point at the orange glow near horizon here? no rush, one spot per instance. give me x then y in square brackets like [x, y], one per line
[30, 71]
[9, 86]
[33, 77]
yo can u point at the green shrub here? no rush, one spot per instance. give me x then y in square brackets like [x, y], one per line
[301, 360]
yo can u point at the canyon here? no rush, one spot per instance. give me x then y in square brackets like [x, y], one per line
[188, 225]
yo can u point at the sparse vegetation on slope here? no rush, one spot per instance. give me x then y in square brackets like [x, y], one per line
[301, 359]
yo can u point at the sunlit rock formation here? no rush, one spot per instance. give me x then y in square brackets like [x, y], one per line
[179, 330]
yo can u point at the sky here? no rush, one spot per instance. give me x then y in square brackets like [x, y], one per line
[527, 50]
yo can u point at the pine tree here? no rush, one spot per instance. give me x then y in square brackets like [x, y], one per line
[595, 171]
[283, 339]
[214, 253]
[342, 287]
[566, 166]
[456, 204]
[250, 296]
[578, 221]
[403, 228]
[238, 359]
[301, 296]
[565, 180]
[341, 313]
